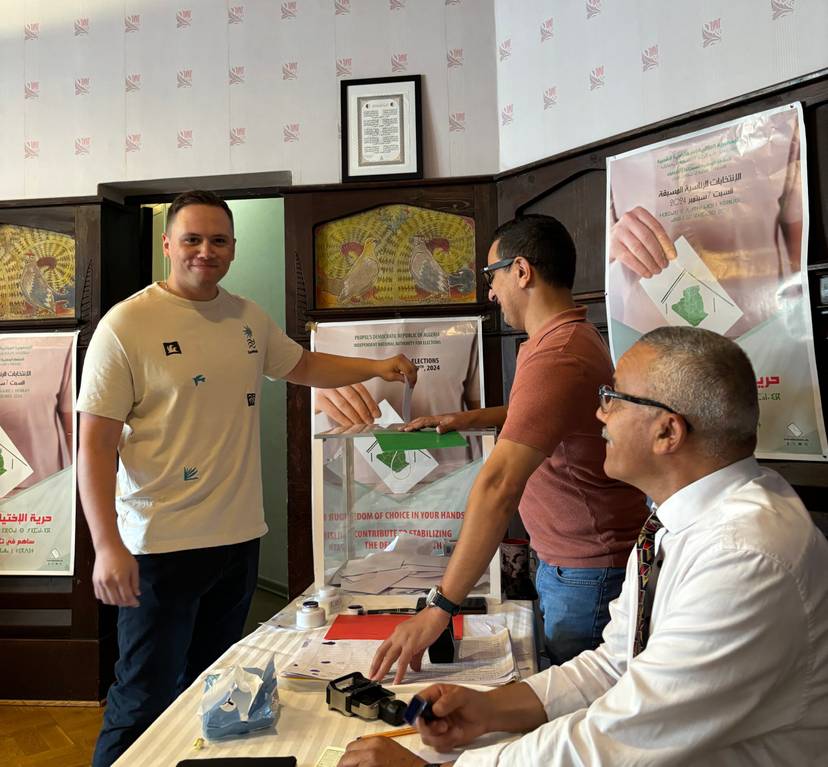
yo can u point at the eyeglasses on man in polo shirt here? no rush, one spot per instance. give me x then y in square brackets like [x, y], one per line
[607, 394]
[486, 271]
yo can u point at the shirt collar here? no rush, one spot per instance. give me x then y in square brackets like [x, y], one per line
[201, 306]
[576, 314]
[687, 505]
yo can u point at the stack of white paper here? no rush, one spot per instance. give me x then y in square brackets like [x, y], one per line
[484, 656]
[379, 572]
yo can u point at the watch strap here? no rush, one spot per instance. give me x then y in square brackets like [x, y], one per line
[444, 603]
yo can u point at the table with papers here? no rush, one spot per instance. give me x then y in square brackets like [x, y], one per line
[484, 656]
[305, 727]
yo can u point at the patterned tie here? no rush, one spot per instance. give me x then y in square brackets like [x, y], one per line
[645, 549]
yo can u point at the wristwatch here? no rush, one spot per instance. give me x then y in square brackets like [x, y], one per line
[436, 598]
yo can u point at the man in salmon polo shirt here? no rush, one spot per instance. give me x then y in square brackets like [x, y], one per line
[548, 460]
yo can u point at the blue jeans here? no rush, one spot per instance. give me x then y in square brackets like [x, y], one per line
[193, 606]
[574, 602]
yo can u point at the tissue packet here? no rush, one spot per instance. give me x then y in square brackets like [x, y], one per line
[238, 700]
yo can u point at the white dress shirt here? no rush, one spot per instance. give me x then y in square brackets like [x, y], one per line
[735, 672]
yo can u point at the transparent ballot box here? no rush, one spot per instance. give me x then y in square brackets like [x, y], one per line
[388, 506]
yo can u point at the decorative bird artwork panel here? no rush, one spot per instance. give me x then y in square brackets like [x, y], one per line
[396, 255]
[37, 274]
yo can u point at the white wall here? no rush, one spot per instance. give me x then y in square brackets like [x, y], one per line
[227, 86]
[571, 72]
[111, 90]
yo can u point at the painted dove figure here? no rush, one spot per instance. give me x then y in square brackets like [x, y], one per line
[362, 275]
[35, 289]
[427, 273]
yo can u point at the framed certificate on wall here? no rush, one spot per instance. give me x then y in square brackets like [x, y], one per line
[382, 129]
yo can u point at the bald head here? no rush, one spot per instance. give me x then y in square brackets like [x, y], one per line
[709, 380]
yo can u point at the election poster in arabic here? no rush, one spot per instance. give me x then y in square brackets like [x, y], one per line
[726, 209]
[37, 453]
[416, 491]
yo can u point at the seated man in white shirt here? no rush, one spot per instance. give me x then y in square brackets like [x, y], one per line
[728, 663]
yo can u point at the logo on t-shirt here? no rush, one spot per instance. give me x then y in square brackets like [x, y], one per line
[251, 342]
[251, 399]
[199, 379]
[190, 473]
[171, 347]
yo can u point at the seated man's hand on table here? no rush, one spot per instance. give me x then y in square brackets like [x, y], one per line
[461, 715]
[347, 405]
[640, 242]
[378, 752]
[407, 644]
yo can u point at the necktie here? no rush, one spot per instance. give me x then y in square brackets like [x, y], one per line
[645, 550]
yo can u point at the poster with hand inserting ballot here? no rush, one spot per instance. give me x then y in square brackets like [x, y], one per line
[37, 453]
[710, 230]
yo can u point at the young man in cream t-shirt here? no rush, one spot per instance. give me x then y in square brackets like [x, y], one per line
[171, 385]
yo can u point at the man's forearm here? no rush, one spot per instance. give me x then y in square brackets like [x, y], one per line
[486, 417]
[491, 504]
[515, 708]
[327, 371]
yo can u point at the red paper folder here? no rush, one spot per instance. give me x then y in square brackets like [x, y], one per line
[375, 626]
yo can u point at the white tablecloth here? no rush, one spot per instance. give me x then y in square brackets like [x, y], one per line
[305, 726]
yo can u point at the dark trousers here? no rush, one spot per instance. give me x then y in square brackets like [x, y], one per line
[193, 607]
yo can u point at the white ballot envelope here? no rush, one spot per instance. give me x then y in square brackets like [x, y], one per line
[406, 407]
[13, 467]
[687, 293]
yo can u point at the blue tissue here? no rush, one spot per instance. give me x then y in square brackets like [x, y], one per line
[238, 700]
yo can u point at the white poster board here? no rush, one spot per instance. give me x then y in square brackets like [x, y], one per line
[37, 453]
[421, 492]
[734, 201]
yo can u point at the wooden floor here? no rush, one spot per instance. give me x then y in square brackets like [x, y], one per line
[64, 736]
[48, 736]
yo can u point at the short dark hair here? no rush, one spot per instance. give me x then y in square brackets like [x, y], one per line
[544, 242]
[196, 197]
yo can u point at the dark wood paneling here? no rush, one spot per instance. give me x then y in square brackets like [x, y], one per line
[123, 269]
[307, 208]
[62, 639]
[567, 202]
[300, 537]
[88, 270]
[816, 129]
[52, 669]
[298, 263]
[54, 219]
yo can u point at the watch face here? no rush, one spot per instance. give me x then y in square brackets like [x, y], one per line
[431, 595]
